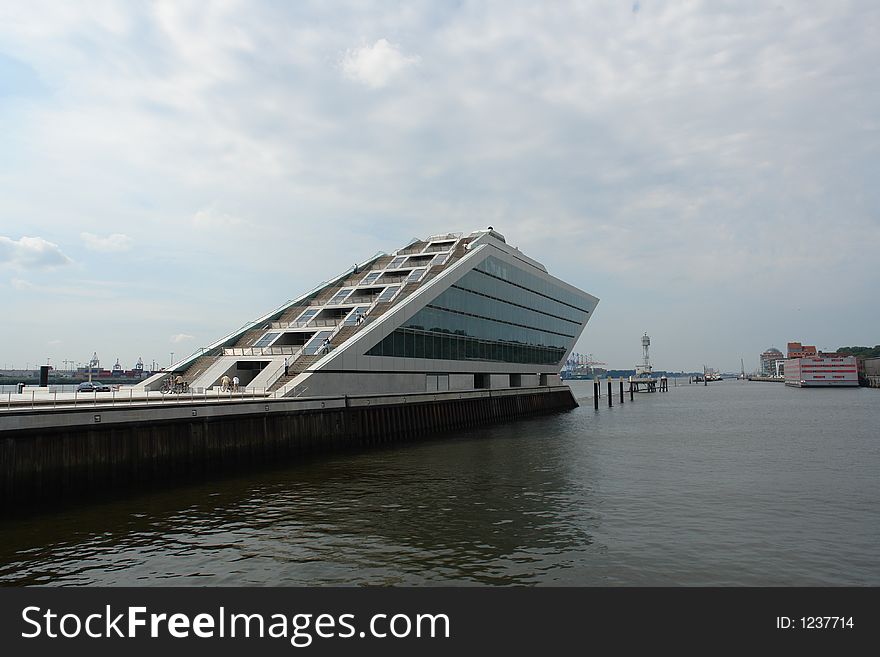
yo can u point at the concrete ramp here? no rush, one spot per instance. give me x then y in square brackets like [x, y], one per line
[212, 375]
[269, 374]
[152, 383]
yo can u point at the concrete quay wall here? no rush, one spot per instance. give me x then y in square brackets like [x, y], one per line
[52, 455]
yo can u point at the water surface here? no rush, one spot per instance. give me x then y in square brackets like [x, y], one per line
[737, 483]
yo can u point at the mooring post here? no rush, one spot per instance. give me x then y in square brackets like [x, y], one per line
[595, 394]
[610, 394]
[630, 390]
[621, 390]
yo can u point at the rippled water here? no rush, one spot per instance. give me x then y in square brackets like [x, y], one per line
[735, 483]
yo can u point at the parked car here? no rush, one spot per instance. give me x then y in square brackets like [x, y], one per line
[92, 386]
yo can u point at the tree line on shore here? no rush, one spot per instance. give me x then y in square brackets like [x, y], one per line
[860, 352]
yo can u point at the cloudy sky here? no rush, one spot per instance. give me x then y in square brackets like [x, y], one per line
[171, 170]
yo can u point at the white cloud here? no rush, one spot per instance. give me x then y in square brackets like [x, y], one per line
[180, 337]
[54, 289]
[110, 244]
[723, 140]
[31, 253]
[22, 285]
[376, 65]
[212, 218]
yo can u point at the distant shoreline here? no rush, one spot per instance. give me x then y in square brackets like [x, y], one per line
[60, 381]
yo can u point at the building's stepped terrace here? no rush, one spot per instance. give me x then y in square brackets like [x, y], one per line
[382, 262]
[382, 308]
[412, 249]
[199, 366]
[248, 338]
[292, 313]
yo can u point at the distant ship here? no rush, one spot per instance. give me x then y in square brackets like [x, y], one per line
[709, 375]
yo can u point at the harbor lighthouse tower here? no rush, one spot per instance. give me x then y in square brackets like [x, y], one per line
[645, 368]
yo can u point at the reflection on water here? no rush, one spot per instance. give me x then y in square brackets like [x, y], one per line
[684, 488]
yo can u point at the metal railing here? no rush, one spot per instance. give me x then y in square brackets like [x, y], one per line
[319, 350]
[313, 350]
[294, 324]
[444, 236]
[393, 279]
[362, 300]
[420, 260]
[261, 351]
[309, 322]
[276, 374]
[120, 398]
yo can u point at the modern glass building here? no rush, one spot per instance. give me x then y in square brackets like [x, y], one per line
[451, 312]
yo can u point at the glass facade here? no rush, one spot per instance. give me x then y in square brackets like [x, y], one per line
[387, 293]
[496, 312]
[339, 297]
[370, 278]
[313, 346]
[265, 340]
[308, 315]
[351, 319]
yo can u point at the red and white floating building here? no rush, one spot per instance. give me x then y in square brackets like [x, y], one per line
[821, 371]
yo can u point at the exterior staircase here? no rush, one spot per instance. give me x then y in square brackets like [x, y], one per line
[301, 364]
[296, 368]
[413, 248]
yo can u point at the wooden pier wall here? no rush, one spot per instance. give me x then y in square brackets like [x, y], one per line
[38, 465]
